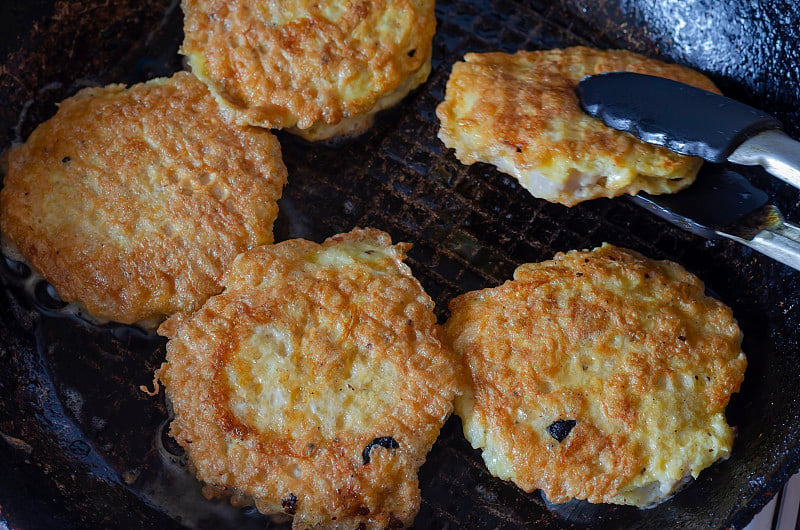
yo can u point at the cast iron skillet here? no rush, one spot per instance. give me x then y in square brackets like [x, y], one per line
[82, 447]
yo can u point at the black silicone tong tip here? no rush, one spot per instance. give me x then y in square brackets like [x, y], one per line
[663, 112]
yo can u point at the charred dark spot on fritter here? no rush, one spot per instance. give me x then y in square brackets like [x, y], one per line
[412, 52]
[362, 510]
[384, 441]
[560, 429]
[289, 504]
[65, 160]
[394, 523]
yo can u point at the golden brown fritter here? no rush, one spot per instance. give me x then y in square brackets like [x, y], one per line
[598, 375]
[133, 201]
[317, 68]
[315, 384]
[520, 113]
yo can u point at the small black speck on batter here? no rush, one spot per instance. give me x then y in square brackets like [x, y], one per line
[560, 429]
[384, 441]
[289, 504]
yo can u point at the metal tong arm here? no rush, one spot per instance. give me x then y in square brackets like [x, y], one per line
[774, 151]
[775, 238]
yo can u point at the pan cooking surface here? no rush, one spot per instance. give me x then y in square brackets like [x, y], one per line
[83, 447]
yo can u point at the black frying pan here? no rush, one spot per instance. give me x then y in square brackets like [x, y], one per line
[82, 447]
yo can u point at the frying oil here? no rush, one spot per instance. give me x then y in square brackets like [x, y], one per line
[95, 368]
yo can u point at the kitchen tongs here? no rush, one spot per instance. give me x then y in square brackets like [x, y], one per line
[721, 203]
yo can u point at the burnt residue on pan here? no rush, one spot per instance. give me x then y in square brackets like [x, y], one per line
[50, 50]
[82, 447]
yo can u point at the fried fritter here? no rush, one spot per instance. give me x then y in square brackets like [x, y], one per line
[520, 113]
[598, 375]
[133, 201]
[318, 68]
[315, 384]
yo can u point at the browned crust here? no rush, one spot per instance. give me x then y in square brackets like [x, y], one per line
[289, 64]
[342, 320]
[133, 201]
[523, 108]
[630, 327]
